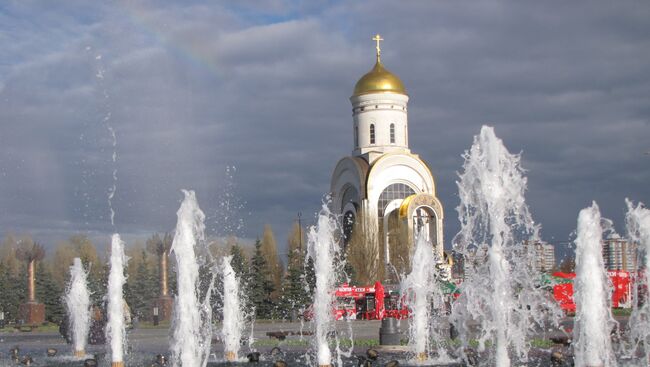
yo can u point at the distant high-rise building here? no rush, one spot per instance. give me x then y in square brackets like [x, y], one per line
[619, 254]
[544, 256]
[465, 265]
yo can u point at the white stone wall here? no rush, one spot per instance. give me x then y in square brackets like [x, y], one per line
[399, 168]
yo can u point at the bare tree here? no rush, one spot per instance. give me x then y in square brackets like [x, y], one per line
[361, 256]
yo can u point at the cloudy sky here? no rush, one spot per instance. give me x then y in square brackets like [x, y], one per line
[247, 103]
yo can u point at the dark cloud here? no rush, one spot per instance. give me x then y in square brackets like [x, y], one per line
[193, 89]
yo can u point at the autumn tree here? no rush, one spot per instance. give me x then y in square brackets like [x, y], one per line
[80, 246]
[269, 251]
[296, 245]
[61, 262]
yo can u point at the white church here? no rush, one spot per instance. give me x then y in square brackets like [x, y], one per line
[382, 188]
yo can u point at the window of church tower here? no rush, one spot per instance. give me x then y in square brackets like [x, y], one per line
[392, 192]
[392, 133]
[372, 133]
[356, 137]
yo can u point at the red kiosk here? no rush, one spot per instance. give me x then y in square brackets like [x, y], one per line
[622, 285]
[368, 303]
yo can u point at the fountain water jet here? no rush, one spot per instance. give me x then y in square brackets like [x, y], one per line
[591, 334]
[495, 224]
[422, 291]
[323, 249]
[233, 313]
[77, 301]
[638, 229]
[115, 328]
[192, 322]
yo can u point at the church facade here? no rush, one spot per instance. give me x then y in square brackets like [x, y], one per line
[384, 193]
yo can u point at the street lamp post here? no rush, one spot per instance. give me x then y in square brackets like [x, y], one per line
[300, 232]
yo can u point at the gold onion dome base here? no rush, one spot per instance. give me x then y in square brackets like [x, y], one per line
[379, 80]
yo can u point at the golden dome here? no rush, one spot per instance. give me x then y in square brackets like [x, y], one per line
[379, 80]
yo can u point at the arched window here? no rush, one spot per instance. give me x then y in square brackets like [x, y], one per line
[356, 137]
[348, 226]
[390, 193]
[392, 133]
[372, 133]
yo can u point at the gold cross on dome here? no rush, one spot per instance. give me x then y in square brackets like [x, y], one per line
[378, 38]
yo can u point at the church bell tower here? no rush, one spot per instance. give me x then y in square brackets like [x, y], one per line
[384, 193]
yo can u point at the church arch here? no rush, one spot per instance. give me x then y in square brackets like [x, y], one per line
[423, 214]
[425, 223]
[350, 195]
[349, 172]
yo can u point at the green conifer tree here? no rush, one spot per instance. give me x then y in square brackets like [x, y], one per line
[4, 289]
[295, 296]
[239, 262]
[49, 293]
[260, 286]
[309, 276]
[17, 292]
[142, 289]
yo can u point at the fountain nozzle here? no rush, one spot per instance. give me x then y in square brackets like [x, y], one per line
[231, 356]
[421, 357]
[117, 364]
